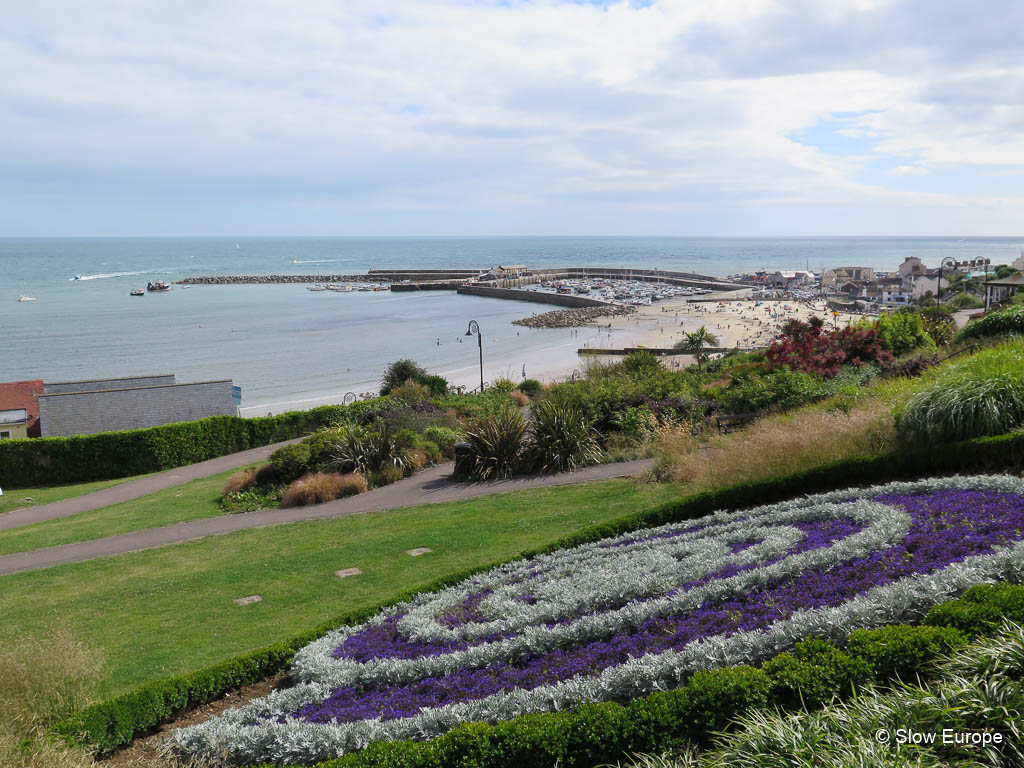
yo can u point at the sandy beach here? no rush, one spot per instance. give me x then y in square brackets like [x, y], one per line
[742, 323]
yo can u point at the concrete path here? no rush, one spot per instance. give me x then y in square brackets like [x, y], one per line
[428, 487]
[136, 488]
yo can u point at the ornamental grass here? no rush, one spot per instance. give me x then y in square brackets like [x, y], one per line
[40, 683]
[320, 487]
[242, 480]
[776, 446]
[982, 395]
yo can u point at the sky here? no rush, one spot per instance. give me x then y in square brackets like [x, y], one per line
[512, 117]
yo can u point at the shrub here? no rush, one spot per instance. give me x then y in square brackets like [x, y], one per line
[1001, 323]
[497, 441]
[410, 391]
[806, 347]
[635, 421]
[322, 444]
[981, 609]
[387, 475]
[317, 488]
[561, 439]
[530, 386]
[911, 367]
[437, 386]
[814, 673]
[443, 437]
[242, 480]
[782, 388]
[939, 325]
[519, 398]
[503, 384]
[368, 450]
[640, 363]
[982, 396]
[901, 332]
[400, 372]
[252, 499]
[290, 461]
[899, 651]
[432, 452]
[268, 474]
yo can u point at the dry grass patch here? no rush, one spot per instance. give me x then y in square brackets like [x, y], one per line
[321, 487]
[519, 398]
[775, 446]
[40, 683]
[242, 480]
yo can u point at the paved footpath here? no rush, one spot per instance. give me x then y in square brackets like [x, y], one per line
[136, 488]
[428, 487]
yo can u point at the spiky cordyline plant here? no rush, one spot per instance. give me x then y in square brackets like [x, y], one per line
[561, 439]
[497, 441]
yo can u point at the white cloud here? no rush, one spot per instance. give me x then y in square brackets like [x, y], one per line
[502, 108]
[908, 170]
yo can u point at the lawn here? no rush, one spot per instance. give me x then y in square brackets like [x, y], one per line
[190, 501]
[170, 610]
[17, 498]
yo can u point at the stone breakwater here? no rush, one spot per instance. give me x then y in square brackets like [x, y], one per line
[573, 318]
[271, 279]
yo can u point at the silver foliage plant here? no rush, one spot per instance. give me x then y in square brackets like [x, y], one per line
[608, 586]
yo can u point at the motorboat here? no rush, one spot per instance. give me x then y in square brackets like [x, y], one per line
[159, 285]
[27, 298]
[137, 292]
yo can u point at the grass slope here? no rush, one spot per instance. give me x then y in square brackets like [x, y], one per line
[18, 498]
[170, 610]
[190, 501]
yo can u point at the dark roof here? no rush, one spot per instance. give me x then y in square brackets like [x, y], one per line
[23, 394]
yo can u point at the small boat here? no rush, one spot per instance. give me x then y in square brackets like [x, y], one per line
[27, 298]
[316, 288]
[136, 292]
[159, 285]
[381, 288]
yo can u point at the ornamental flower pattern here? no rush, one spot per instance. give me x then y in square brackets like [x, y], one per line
[627, 616]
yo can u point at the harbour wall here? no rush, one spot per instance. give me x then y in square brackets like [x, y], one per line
[559, 299]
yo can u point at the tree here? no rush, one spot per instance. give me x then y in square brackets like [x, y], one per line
[400, 372]
[694, 343]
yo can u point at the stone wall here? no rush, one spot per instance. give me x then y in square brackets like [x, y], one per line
[85, 413]
[559, 299]
[92, 385]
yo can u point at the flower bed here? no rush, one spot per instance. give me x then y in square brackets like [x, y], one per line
[623, 617]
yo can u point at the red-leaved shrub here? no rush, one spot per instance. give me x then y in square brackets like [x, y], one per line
[808, 348]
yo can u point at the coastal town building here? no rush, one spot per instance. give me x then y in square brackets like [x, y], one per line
[509, 270]
[60, 409]
[789, 279]
[835, 280]
[13, 424]
[1003, 289]
[22, 396]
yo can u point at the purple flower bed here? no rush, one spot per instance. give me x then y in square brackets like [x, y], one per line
[732, 591]
[946, 528]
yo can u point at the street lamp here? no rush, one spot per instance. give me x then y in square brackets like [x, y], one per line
[985, 263]
[474, 328]
[947, 263]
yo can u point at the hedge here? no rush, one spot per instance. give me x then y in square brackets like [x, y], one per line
[113, 724]
[107, 455]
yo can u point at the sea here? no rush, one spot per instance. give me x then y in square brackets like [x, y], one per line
[289, 347]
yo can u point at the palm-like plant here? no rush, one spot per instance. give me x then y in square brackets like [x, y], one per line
[694, 343]
[497, 441]
[562, 438]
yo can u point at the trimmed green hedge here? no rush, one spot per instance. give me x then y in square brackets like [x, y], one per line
[113, 724]
[106, 455]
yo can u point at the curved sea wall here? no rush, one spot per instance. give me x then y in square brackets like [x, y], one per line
[560, 299]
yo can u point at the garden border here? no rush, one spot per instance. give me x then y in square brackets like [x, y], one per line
[113, 724]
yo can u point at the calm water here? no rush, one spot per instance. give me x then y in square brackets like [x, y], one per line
[284, 343]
